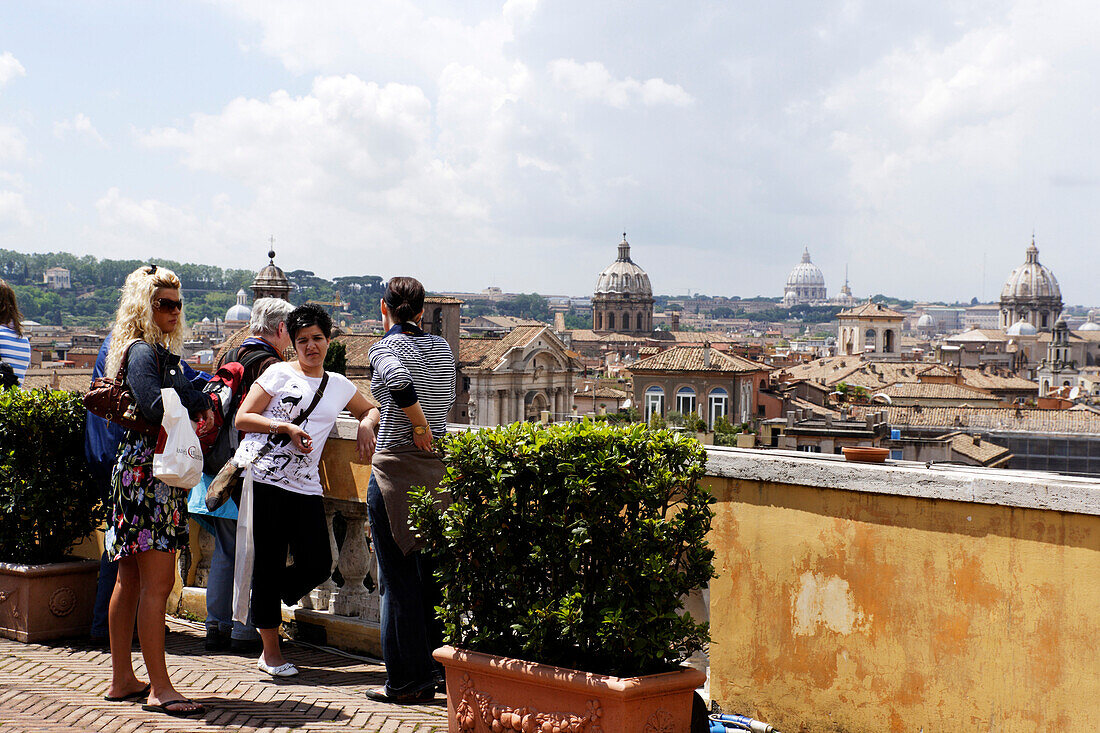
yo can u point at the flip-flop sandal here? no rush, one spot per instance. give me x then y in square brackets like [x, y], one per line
[136, 695]
[166, 708]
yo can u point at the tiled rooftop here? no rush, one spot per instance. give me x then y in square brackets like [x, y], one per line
[1009, 419]
[691, 359]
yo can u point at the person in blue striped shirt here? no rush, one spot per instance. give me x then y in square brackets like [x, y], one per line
[15, 349]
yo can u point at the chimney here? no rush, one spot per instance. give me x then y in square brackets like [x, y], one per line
[706, 354]
[675, 321]
[790, 418]
[977, 440]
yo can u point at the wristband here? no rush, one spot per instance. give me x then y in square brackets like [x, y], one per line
[273, 429]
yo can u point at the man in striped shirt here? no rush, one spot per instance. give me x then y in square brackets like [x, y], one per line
[15, 349]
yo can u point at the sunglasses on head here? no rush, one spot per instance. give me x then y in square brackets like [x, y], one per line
[167, 305]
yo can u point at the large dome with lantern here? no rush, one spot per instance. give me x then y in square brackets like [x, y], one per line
[805, 284]
[623, 299]
[1031, 294]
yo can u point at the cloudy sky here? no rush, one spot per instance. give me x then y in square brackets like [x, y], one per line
[487, 143]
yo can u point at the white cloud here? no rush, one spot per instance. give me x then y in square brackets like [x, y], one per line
[148, 216]
[347, 143]
[350, 34]
[592, 81]
[10, 68]
[78, 126]
[13, 210]
[13, 145]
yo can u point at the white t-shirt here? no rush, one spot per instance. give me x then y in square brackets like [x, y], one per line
[291, 393]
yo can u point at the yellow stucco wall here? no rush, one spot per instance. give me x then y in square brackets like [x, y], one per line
[841, 611]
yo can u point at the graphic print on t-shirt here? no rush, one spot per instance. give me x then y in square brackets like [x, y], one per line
[291, 394]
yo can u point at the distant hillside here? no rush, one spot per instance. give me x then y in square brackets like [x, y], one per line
[208, 290]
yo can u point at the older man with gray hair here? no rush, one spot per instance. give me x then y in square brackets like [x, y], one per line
[268, 341]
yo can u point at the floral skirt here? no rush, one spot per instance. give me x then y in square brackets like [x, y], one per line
[146, 514]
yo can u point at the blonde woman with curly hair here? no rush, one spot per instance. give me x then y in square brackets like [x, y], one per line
[148, 521]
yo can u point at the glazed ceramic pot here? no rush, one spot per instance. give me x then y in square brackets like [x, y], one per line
[866, 455]
[41, 602]
[491, 694]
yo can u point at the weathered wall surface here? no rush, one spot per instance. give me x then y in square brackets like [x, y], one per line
[841, 610]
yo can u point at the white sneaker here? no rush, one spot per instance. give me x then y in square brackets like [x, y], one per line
[286, 669]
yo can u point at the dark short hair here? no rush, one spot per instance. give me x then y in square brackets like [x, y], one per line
[404, 297]
[308, 315]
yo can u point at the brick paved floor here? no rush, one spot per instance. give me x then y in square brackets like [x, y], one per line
[60, 687]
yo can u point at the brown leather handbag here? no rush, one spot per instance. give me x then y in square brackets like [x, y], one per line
[112, 400]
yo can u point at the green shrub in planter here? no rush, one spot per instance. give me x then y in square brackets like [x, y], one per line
[572, 544]
[48, 501]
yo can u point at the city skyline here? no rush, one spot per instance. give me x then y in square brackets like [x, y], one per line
[511, 143]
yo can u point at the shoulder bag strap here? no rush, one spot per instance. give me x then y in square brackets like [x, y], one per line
[301, 417]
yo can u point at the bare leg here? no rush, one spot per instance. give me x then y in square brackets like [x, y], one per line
[120, 627]
[157, 571]
[273, 652]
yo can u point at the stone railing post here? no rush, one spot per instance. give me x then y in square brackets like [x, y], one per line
[352, 598]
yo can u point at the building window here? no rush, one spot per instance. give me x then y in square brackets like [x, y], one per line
[719, 404]
[809, 448]
[685, 401]
[639, 322]
[1044, 319]
[888, 341]
[599, 321]
[870, 338]
[654, 402]
[611, 321]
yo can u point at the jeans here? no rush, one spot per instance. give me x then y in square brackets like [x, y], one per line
[285, 520]
[105, 586]
[219, 584]
[409, 627]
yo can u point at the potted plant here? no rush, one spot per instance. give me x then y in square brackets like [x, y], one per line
[563, 561]
[48, 503]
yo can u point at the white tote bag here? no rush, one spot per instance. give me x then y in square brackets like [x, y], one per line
[177, 460]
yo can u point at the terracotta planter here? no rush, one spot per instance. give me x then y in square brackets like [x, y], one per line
[40, 602]
[490, 694]
[746, 440]
[863, 454]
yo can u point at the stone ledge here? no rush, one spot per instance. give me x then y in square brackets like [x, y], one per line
[1024, 489]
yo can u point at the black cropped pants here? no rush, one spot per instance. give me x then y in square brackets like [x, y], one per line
[284, 520]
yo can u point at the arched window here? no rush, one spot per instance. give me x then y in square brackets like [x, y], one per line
[888, 341]
[718, 404]
[639, 328]
[870, 339]
[599, 320]
[610, 321]
[437, 321]
[685, 401]
[654, 402]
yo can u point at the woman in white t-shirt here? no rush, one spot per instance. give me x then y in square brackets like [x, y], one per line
[287, 507]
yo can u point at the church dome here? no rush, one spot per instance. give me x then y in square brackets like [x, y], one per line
[926, 322]
[806, 273]
[1021, 328]
[805, 284]
[623, 276]
[1091, 324]
[240, 311]
[1031, 281]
